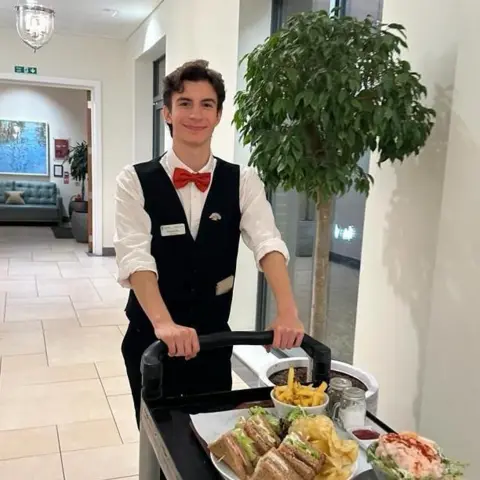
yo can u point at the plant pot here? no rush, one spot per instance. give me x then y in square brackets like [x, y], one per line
[369, 382]
[77, 206]
[79, 226]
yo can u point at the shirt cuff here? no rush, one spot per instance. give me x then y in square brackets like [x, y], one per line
[124, 272]
[272, 245]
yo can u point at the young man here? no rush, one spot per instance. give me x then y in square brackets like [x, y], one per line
[178, 222]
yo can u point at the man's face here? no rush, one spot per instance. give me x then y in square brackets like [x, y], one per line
[194, 113]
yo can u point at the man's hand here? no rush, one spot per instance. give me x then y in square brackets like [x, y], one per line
[181, 341]
[288, 330]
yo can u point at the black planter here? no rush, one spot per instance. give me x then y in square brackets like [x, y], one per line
[79, 226]
[77, 206]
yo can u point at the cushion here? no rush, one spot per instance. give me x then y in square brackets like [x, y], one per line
[4, 186]
[14, 197]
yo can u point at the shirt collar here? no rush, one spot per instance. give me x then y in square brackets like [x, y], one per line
[172, 162]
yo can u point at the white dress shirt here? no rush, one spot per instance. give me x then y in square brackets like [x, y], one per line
[132, 235]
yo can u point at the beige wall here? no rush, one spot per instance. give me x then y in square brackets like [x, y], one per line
[451, 390]
[417, 321]
[90, 59]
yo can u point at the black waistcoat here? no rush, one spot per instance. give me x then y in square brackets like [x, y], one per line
[190, 271]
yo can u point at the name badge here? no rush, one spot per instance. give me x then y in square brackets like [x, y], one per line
[172, 230]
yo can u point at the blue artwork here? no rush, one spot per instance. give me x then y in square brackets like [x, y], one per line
[23, 148]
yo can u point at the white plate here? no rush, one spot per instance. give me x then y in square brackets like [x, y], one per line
[223, 468]
[210, 426]
[227, 474]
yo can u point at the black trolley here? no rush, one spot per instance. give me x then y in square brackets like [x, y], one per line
[168, 443]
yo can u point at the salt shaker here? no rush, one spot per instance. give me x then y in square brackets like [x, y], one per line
[352, 410]
[335, 392]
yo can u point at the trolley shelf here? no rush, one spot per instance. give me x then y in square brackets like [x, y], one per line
[168, 442]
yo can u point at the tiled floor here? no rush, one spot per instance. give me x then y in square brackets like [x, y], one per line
[65, 408]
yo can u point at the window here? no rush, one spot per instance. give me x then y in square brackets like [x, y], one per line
[158, 121]
[363, 8]
[295, 216]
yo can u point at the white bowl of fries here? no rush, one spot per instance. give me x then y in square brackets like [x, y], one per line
[313, 400]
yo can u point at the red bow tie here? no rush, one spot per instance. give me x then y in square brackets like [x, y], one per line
[182, 177]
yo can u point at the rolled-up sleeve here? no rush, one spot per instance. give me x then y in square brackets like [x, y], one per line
[132, 235]
[259, 231]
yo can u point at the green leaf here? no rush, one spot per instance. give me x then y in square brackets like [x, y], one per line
[292, 75]
[299, 98]
[352, 84]
[278, 106]
[396, 26]
[308, 97]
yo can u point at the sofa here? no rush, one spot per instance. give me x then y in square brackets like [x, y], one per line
[42, 202]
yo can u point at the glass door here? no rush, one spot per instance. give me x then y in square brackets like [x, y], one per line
[158, 120]
[295, 216]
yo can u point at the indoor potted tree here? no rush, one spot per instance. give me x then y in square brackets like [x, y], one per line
[78, 160]
[319, 94]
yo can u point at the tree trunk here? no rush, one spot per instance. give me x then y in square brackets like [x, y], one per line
[318, 320]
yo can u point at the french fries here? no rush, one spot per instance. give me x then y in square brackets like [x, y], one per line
[300, 395]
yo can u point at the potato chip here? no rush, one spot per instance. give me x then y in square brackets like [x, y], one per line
[340, 454]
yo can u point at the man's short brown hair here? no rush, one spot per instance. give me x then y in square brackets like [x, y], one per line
[194, 71]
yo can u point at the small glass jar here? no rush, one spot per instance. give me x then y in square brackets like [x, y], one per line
[335, 392]
[352, 410]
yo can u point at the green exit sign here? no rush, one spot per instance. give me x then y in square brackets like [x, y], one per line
[28, 70]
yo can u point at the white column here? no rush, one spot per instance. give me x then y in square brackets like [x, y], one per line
[418, 327]
[142, 91]
[254, 26]
[451, 388]
[401, 226]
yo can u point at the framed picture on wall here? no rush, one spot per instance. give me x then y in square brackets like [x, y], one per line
[58, 171]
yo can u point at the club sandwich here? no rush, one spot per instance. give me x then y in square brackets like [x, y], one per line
[238, 451]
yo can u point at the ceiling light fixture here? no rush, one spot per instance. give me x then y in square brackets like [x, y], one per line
[35, 24]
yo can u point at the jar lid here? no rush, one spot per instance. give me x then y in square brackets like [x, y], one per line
[340, 383]
[354, 393]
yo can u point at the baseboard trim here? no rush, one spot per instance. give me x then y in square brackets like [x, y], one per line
[343, 260]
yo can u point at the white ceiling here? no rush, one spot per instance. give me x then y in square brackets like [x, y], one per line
[87, 17]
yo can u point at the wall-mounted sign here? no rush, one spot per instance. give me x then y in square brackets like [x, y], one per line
[61, 148]
[66, 178]
[24, 69]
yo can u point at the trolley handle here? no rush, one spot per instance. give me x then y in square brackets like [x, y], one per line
[152, 359]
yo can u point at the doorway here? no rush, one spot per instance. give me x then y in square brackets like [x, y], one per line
[94, 190]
